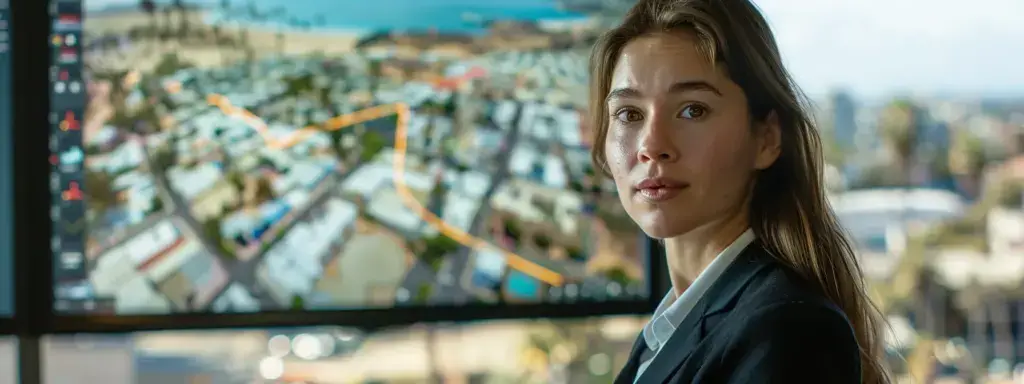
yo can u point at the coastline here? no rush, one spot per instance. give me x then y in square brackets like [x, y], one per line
[145, 54]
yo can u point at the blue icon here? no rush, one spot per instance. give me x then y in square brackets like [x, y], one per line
[73, 156]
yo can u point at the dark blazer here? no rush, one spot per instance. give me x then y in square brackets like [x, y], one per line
[759, 322]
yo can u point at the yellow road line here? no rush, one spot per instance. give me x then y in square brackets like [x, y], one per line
[402, 111]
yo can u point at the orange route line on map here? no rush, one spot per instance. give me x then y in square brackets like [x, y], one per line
[401, 143]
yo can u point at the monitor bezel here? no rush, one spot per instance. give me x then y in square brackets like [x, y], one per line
[8, 326]
[35, 296]
[8, 321]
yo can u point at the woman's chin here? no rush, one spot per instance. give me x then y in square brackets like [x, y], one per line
[659, 229]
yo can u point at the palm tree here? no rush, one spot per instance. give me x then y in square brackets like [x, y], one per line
[149, 8]
[899, 129]
[183, 12]
[967, 159]
[168, 30]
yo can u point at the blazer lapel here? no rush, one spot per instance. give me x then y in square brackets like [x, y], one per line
[628, 372]
[720, 297]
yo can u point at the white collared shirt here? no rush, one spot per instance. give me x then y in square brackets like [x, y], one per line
[672, 310]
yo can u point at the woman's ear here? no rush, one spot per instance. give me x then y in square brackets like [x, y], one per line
[769, 141]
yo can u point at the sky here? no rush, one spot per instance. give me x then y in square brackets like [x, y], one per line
[881, 47]
[894, 46]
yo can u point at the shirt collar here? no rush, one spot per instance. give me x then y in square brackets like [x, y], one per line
[672, 310]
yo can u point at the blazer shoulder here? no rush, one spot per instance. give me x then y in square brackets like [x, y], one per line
[781, 303]
[779, 284]
[793, 341]
[791, 318]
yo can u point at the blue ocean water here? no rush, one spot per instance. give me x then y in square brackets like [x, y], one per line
[456, 16]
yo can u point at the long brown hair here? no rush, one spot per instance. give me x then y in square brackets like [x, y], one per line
[789, 211]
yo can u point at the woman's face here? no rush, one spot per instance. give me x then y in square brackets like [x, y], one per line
[681, 145]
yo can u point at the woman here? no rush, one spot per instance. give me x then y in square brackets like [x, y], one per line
[712, 152]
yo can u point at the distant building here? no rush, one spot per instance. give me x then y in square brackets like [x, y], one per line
[870, 214]
[974, 296]
[1006, 231]
[844, 118]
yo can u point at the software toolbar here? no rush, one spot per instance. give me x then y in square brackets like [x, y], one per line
[68, 101]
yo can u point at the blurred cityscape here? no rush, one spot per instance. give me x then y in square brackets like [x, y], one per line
[214, 137]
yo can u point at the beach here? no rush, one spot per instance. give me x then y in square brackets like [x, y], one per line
[143, 55]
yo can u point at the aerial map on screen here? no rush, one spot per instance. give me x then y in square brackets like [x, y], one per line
[325, 154]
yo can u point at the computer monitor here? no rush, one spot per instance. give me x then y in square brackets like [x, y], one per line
[6, 168]
[332, 157]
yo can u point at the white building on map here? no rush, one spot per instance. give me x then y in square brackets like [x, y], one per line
[190, 183]
[489, 267]
[530, 162]
[156, 270]
[521, 197]
[374, 182]
[293, 266]
[118, 272]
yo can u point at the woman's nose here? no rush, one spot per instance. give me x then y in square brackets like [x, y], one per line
[655, 147]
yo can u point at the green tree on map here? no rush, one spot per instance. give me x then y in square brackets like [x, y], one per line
[435, 250]
[372, 144]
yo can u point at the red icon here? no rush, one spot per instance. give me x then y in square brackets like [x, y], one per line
[73, 193]
[53, 159]
[70, 123]
[63, 75]
[68, 55]
[69, 18]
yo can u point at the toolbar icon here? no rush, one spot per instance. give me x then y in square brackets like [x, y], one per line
[74, 226]
[68, 55]
[73, 193]
[70, 122]
[71, 260]
[68, 21]
[72, 158]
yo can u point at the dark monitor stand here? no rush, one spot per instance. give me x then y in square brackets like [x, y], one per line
[23, 144]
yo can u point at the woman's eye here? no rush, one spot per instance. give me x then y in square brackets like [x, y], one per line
[629, 116]
[693, 112]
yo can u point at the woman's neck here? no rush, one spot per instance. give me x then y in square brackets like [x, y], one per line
[689, 254]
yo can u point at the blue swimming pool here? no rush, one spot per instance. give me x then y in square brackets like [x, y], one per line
[521, 286]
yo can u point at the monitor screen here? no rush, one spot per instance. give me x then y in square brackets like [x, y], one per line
[6, 168]
[230, 156]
